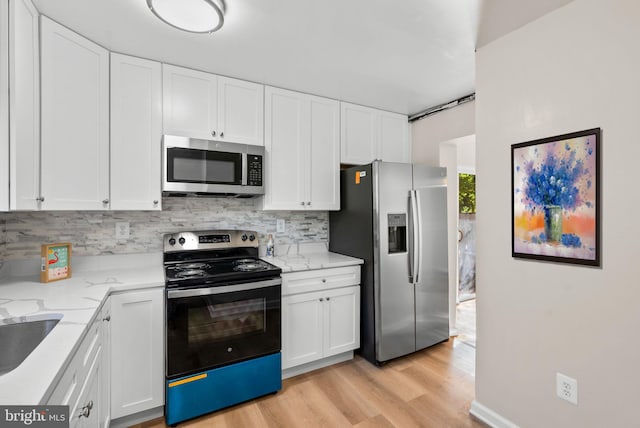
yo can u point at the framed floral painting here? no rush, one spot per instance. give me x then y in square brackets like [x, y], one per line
[556, 198]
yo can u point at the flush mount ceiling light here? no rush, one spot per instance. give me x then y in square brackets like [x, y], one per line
[195, 16]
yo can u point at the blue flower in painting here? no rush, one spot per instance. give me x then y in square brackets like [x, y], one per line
[590, 151]
[554, 182]
[571, 240]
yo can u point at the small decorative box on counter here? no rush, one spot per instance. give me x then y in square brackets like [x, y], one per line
[56, 262]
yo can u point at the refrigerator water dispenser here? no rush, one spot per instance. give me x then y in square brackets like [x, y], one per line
[397, 233]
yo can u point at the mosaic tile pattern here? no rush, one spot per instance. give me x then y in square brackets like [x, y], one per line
[93, 232]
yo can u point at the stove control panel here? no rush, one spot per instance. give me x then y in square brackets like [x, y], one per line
[209, 240]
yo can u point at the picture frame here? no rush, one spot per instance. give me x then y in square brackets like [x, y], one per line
[56, 262]
[555, 198]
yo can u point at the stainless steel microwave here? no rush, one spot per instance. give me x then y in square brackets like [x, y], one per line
[203, 167]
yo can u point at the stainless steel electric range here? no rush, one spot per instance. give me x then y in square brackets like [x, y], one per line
[223, 322]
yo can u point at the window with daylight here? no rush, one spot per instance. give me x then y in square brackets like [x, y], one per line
[467, 193]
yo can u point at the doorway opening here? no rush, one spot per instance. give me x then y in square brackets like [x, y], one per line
[466, 236]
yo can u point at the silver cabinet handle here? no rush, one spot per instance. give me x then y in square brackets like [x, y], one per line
[40, 199]
[302, 203]
[321, 299]
[328, 298]
[105, 201]
[107, 318]
[324, 280]
[222, 135]
[213, 133]
[155, 202]
[86, 410]
[309, 203]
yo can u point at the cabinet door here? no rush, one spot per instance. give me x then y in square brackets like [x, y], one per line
[105, 355]
[136, 133]
[24, 127]
[286, 147]
[341, 320]
[358, 134]
[189, 102]
[4, 106]
[75, 121]
[86, 413]
[324, 166]
[240, 111]
[302, 335]
[137, 351]
[394, 137]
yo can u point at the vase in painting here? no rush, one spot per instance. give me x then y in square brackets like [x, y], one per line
[553, 222]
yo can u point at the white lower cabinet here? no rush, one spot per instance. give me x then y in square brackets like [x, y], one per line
[84, 385]
[323, 321]
[137, 351]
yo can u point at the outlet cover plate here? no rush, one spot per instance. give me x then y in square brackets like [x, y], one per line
[122, 230]
[567, 388]
[280, 225]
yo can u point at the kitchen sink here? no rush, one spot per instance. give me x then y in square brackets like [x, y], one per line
[20, 336]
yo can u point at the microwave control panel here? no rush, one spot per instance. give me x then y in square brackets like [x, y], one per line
[254, 170]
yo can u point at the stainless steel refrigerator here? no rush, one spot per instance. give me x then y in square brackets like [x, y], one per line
[394, 216]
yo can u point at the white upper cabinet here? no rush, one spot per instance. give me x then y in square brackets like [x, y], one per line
[358, 142]
[368, 134]
[302, 151]
[240, 111]
[75, 120]
[136, 133]
[285, 149]
[394, 143]
[24, 105]
[206, 106]
[190, 102]
[324, 161]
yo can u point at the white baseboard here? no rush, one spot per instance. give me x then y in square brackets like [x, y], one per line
[137, 418]
[490, 417]
[314, 365]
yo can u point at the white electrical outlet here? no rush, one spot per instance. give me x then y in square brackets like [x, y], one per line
[122, 230]
[567, 388]
[280, 225]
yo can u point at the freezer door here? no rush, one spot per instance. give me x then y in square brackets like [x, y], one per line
[432, 277]
[395, 321]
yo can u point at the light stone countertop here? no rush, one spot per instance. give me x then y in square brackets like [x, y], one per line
[296, 258]
[77, 300]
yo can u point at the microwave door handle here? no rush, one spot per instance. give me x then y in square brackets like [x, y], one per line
[245, 166]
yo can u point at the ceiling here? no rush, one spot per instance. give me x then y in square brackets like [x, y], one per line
[403, 56]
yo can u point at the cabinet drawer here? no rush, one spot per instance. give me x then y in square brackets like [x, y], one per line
[68, 388]
[320, 279]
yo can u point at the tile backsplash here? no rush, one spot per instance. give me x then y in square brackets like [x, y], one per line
[93, 232]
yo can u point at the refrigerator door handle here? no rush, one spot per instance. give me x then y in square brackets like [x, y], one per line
[418, 233]
[413, 237]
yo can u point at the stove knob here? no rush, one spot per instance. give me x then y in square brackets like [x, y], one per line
[252, 238]
[244, 237]
[181, 240]
[172, 241]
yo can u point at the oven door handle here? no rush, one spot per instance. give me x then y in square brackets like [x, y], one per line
[193, 292]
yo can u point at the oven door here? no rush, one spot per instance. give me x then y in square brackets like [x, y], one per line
[216, 326]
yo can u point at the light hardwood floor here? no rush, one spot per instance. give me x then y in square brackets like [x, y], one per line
[431, 388]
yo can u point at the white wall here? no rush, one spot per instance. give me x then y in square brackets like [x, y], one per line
[575, 68]
[449, 159]
[428, 133]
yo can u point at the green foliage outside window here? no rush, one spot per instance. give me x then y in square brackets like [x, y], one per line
[467, 193]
